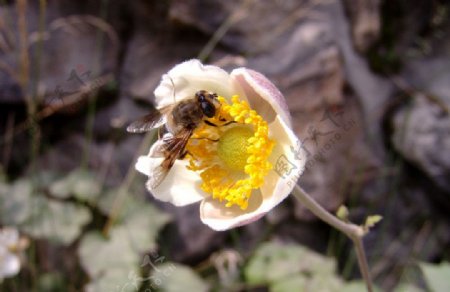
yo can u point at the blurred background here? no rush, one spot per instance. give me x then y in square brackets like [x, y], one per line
[367, 83]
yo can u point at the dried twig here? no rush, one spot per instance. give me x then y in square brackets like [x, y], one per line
[24, 72]
[235, 17]
[6, 36]
[62, 104]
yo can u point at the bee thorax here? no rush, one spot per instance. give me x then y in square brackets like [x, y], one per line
[187, 114]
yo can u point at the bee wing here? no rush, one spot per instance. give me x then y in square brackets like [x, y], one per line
[173, 149]
[156, 177]
[153, 120]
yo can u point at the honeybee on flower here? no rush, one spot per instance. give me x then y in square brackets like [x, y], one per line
[227, 156]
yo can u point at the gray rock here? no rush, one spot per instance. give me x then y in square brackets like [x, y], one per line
[365, 22]
[431, 75]
[373, 92]
[252, 26]
[71, 53]
[422, 129]
[310, 69]
[422, 136]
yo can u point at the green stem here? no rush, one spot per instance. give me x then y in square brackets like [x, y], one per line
[92, 96]
[126, 184]
[353, 231]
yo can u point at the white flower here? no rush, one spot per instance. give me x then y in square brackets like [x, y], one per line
[239, 170]
[10, 245]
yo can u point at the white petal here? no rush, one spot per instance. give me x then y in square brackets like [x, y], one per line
[180, 187]
[218, 217]
[277, 184]
[146, 164]
[9, 264]
[263, 95]
[9, 236]
[185, 79]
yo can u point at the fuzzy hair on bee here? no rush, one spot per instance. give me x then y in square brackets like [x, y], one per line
[179, 120]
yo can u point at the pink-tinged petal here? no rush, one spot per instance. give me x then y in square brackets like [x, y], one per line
[263, 96]
[288, 160]
[180, 187]
[185, 79]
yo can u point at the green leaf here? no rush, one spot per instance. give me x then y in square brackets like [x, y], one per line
[113, 262]
[405, 287]
[286, 268]
[62, 188]
[437, 276]
[60, 222]
[342, 213]
[143, 226]
[15, 202]
[51, 282]
[357, 286]
[87, 187]
[302, 282]
[272, 262]
[109, 262]
[294, 283]
[116, 279]
[171, 277]
[142, 220]
[82, 184]
[40, 216]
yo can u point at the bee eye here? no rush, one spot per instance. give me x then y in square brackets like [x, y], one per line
[200, 96]
[208, 109]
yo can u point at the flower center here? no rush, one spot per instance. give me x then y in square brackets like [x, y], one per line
[232, 147]
[232, 157]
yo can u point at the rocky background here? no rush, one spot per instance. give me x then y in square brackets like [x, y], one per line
[367, 83]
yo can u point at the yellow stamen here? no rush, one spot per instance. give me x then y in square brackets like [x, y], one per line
[236, 165]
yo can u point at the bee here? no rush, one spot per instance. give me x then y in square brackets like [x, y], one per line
[179, 120]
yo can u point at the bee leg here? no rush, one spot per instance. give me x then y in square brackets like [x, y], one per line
[184, 153]
[209, 139]
[161, 131]
[228, 123]
[210, 124]
[214, 125]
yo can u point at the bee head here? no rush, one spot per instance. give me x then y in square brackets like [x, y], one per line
[208, 102]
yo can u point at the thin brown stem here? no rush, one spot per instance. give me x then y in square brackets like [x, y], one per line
[353, 231]
[362, 262]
